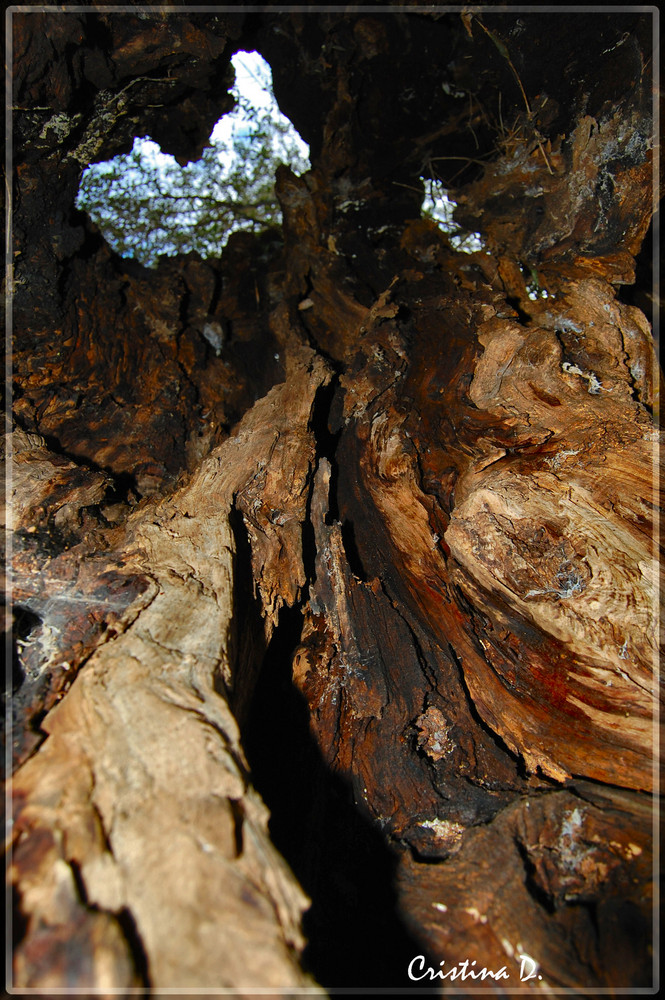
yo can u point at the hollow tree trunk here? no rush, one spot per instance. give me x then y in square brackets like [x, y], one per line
[418, 485]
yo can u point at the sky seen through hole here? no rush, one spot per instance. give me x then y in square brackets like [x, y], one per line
[146, 205]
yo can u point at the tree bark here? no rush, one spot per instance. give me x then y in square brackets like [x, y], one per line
[384, 563]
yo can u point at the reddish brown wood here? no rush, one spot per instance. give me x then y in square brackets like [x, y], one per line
[425, 495]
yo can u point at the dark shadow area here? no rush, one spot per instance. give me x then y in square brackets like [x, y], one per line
[19, 923]
[522, 316]
[133, 938]
[127, 926]
[355, 935]
[122, 489]
[247, 641]
[25, 622]
[642, 293]
[351, 550]
[536, 891]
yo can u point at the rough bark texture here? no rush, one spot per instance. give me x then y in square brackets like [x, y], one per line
[386, 563]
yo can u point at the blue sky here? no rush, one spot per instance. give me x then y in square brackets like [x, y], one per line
[254, 83]
[253, 90]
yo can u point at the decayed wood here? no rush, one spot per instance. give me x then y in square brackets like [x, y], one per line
[536, 542]
[581, 855]
[535, 589]
[146, 741]
[449, 481]
[64, 573]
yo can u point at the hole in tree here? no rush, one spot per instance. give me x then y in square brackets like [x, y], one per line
[146, 205]
[522, 316]
[440, 207]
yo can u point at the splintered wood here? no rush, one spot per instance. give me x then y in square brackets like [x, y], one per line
[139, 801]
[417, 483]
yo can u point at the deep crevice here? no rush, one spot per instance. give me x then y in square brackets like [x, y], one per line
[127, 925]
[355, 935]
[478, 719]
[351, 551]
[643, 293]
[238, 824]
[19, 921]
[537, 893]
[247, 646]
[326, 437]
[326, 440]
[80, 884]
[309, 546]
[139, 957]
[523, 317]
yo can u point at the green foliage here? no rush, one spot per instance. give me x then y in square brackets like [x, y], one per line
[146, 204]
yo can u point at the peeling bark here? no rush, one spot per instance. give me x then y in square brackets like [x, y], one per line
[445, 484]
[146, 741]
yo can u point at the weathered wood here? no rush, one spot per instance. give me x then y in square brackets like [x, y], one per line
[146, 742]
[442, 470]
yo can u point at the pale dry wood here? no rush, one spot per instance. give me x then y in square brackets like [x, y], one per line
[541, 534]
[567, 549]
[141, 789]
